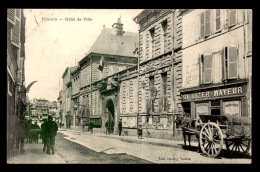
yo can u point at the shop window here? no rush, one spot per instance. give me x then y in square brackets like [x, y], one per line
[232, 108]
[230, 62]
[202, 109]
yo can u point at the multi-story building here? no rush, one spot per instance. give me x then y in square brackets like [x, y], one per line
[75, 97]
[112, 52]
[160, 71]
[217, 62]
[16, 91]
[53, 109]
[68, 96]
[60, 108]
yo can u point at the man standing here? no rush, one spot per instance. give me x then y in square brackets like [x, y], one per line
[43, 135]
[106, 127]
[120, 127]
[91, 127]
[51, 131]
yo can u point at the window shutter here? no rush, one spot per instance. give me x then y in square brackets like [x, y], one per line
[200, 69]
[11, 15]
[232, 17]
[208, 23]
[232, 62]
[202, 24]
[218, 20]
[207, 68]
[15, 34]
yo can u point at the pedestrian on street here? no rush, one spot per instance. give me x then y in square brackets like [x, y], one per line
[35, 134]
[91, 127]
[60, 124]
[140, 131]
[51, 131]
[120, 127]
[107, 127]
[28, 133]
[43, 135]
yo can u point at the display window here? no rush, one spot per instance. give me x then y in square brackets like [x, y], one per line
[232, 108]
[202, 109]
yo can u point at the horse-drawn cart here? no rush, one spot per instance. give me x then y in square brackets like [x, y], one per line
[213, 131]
[33, 135]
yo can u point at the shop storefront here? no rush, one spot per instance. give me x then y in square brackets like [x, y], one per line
[97, 121]
[229, 100]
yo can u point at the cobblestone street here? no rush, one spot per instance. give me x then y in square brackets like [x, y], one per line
[123, 152]
[74, 147]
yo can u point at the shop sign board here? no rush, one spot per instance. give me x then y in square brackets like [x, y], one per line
[213, 94]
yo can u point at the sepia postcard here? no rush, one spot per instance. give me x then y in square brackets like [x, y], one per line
[129, 86]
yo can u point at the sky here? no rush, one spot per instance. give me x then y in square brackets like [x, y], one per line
[51, 46]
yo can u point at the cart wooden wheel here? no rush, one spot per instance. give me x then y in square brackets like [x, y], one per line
[211, 139]
[238, 144]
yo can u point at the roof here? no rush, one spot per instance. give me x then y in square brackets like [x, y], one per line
[73, 69]
[109, 43]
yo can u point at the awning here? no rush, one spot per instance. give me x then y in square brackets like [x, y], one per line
[96, 116]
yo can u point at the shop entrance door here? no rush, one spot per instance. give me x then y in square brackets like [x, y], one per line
[215, 107]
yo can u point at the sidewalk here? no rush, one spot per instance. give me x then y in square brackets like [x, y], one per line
[35, 155]
[144, 140]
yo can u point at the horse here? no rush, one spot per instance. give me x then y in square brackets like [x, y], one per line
[187, 123]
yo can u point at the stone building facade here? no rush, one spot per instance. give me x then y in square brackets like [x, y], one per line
[217, 63]
[112, 52]
[16, 91]
[160, 71]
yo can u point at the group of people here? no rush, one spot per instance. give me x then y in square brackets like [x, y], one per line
[49, 131]
[32, 136]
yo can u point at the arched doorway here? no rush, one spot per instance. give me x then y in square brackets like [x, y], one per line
[110, 115]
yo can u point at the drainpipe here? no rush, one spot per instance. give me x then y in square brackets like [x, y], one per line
[90, 86]
[138, 66]
[173, 73]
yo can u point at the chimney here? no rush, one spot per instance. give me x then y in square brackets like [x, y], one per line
[118, 27]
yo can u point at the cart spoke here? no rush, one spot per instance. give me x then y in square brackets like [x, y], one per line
[242, 148]
[244, 144]
[205, 135]
[212, 151]
[207, 145]
[216, 148]
[207, 131]
[217, 140]
[233, 146]
[230, 143]
[238, 148]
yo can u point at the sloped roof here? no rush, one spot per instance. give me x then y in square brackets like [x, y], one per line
[109, 43]
[73, 69]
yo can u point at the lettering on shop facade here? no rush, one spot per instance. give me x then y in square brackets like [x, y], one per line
[217, 93]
